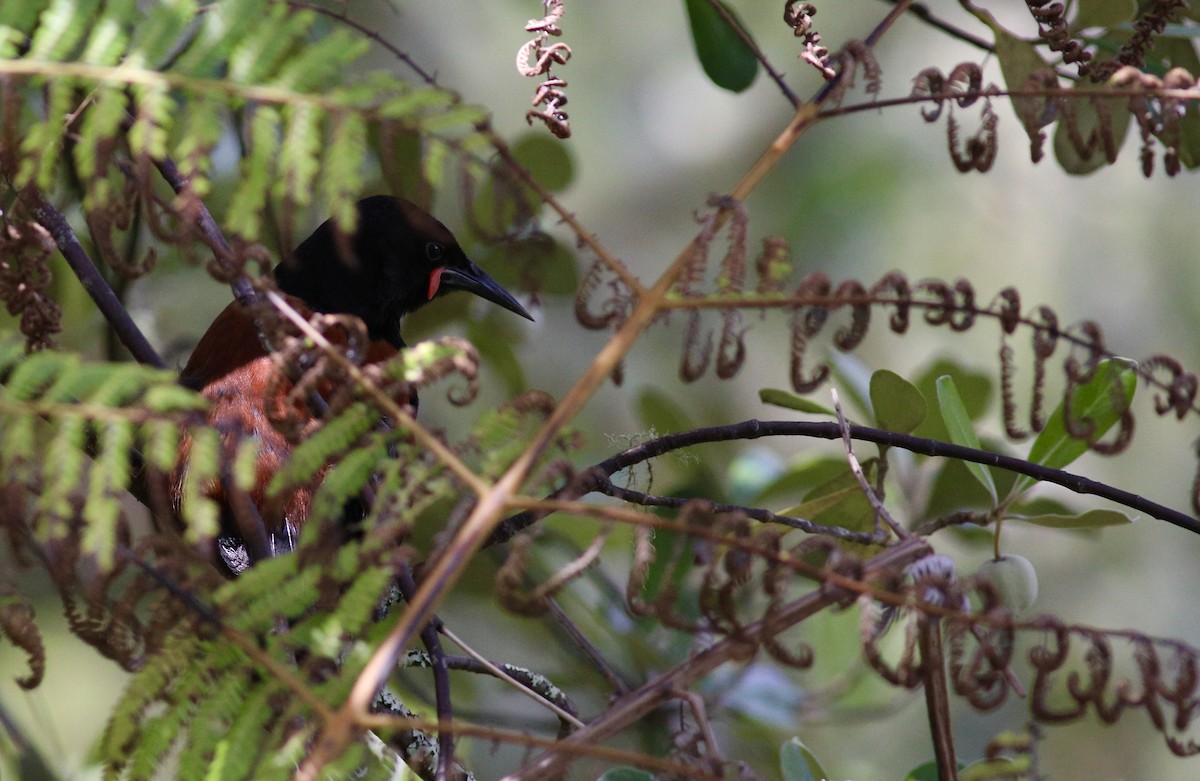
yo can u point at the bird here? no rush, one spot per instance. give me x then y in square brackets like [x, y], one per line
[399, 259]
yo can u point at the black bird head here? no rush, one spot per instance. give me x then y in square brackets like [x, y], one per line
[398, 261]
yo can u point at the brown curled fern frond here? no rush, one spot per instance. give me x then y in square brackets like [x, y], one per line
[19, 628]
[1051, 18]
[1036, 113]
[1158, 112]
[602, 300]
[964, 86]
[536, 58]
[1075, 672]
[26, 249]
[799, 17]
[853, 56]
[1152, 21]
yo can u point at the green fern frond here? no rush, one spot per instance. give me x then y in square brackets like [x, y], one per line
[200, 512]
[334, 438]
[262, 55]
[257, 172]
[144, 689]
[16, 23]
[210, 725]
[61, 28]
[109, 37]
[110, 475]
[71, 429]
[347, 479]
[244, 743]
[291, 85]
[292, 592]
[299, 156]
[156, 737]
[343, 162]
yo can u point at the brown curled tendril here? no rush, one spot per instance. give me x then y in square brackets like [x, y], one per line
[798, 16]
[535, 58]
[807, 322]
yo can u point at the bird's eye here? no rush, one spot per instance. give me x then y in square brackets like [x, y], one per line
[434, 251]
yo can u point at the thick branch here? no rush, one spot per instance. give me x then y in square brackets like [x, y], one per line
[756, 429]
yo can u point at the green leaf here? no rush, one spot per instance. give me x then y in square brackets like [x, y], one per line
[1092, 519]
[925, 772]
[548, 160]
[1103, 13]
[626, 774]
[899, 405]
[958, 424]
[974, 388]
[789, 400]
[1101, 402]
[725, 57]
[797, 762]
[839, 502]
[660, 413]
[819, 504]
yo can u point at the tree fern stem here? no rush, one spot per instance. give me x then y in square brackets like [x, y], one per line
[92, 280]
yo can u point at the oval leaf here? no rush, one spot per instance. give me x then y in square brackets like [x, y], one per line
[899, 405]
[725, 57]
[958, 424]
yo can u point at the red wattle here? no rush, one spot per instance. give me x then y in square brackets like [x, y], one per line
[435, 281]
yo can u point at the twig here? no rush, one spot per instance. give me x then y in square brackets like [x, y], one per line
[607, 487]
[937, 697]
[92, 280]
[448, 567]
[923, 13]
[855, 467]
[441, 678]
[503, 675]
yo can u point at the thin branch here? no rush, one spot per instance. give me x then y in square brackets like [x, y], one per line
[523, 686]
[923, 13]
[607, 487]
[242, 289]
[441, 677]
[92, 280]
[856, 468]
[937, 696]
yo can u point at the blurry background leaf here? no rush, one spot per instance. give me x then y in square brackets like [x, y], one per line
[726, 58]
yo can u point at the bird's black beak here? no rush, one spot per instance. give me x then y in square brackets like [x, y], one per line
[472, 279]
